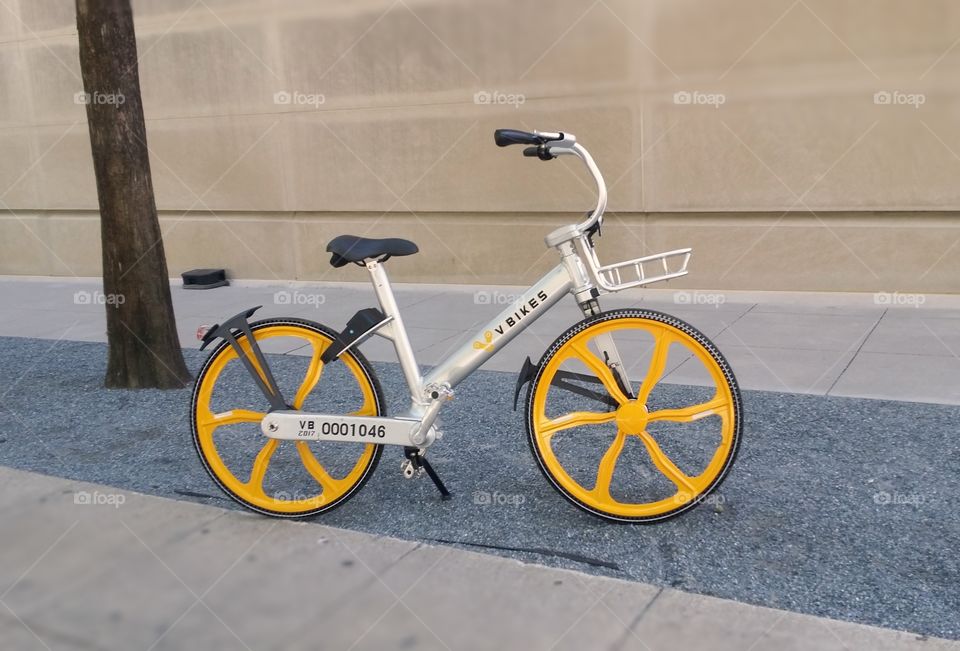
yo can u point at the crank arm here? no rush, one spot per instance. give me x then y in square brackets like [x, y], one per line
[290, 425]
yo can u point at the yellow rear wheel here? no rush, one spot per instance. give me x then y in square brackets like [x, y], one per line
[643, 452]
[284, 478]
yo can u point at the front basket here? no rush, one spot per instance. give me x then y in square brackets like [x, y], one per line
[642, 271]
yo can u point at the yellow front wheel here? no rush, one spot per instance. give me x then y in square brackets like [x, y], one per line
[284, 478]
[642, 449]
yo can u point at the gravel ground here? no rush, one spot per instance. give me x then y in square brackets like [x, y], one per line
[838, 507]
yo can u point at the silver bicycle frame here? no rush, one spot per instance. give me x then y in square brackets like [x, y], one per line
[579, 274]
[478, 349]
[571, 276]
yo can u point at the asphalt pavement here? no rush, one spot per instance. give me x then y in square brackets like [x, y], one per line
[839, 507]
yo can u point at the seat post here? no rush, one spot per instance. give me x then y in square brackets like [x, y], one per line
[388, 303]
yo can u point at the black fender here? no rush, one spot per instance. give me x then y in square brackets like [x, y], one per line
[562, 380]
[360, 326]
[527, 372]
[234, 327]
[221, 330]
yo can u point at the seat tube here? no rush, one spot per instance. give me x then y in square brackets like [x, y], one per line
[388, 303]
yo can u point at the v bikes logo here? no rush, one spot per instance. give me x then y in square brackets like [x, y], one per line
[486, 343]
[512, 320]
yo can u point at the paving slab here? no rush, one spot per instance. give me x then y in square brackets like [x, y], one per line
[918, 378]
[839, 333]
[916, 335]
[784, 341]
[779, 369]
[110, 569]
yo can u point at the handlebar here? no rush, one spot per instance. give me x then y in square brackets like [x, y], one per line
[506, 137]
[547, 146]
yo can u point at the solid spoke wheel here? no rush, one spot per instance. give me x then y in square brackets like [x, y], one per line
[284, 478]
[661, 449]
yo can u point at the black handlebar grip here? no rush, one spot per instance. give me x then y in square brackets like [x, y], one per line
[531, 152]
[506, 137]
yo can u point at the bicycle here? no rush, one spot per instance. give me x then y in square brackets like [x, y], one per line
[584, 414]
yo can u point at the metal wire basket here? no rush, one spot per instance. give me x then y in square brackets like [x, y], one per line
[641, 271]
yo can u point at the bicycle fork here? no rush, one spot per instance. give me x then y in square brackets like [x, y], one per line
[587, 297]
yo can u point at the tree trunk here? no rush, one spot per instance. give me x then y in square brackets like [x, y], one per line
[141, 331]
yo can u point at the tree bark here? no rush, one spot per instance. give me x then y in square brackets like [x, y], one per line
[144, 350]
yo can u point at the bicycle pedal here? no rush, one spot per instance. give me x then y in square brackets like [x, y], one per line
[410, 469]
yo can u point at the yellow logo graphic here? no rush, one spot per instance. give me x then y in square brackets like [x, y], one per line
[480, 345]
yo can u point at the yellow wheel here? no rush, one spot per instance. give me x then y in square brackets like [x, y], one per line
[641, 450]
[284, 478]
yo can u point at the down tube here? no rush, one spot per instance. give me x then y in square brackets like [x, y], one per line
[499, 332]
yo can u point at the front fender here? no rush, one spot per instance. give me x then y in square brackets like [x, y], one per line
[527, 372]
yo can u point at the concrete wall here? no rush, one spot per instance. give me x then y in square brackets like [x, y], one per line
[800, 179]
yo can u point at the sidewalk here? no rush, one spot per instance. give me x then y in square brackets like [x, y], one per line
[895, 347]
[91, 576]
[109, 569]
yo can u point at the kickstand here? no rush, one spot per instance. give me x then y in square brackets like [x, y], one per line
[420, 461]
[444, 493]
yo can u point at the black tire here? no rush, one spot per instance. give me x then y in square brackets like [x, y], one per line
[685, 327]
[370, 376]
